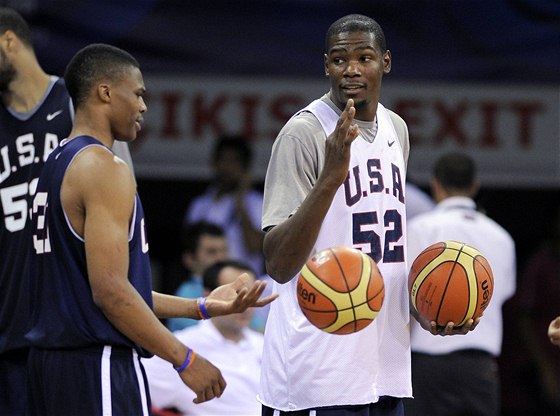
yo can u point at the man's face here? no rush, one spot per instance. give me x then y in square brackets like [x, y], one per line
[229, 169]
[355, 66]
[211, 248]
[127, 96]
[7, 72]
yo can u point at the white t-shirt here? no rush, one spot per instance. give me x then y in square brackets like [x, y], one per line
[303, 367]
[239, 363]
[456, 219]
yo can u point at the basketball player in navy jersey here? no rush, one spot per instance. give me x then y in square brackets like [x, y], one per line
[35, 115]
[94, 312]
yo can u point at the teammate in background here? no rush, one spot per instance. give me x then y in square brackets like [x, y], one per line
[203, 244]
[93, 311]
[35, 115]
[459, 375]
[229, 343]
[231, 203]
[336, 177]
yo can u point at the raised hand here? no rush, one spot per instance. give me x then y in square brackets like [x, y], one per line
[237, 296]
[337, 152]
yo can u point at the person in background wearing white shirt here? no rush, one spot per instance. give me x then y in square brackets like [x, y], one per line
[459, 375]
[229, 343]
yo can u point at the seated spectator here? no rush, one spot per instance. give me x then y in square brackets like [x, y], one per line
[228, 343]
[203, 244]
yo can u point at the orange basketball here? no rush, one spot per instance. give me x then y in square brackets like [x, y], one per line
[450, 281]
[340, 290]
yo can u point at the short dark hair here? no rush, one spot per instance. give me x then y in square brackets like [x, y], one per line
[356, 23]
[92, 64]
[237, 143]
[212, 273]
[455, 171]
[10, 19]
[191, 233]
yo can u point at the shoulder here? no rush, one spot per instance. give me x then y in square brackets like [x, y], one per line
[303, 123]
[498, 230]
[97, 169]
[402, 132]
[398, 122]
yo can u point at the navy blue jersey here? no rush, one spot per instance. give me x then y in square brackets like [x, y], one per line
[64, 314]
[26, 140]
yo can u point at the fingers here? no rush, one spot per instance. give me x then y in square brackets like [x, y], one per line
[216, 389]
[451, 329]
[346, 131]
[265, 301]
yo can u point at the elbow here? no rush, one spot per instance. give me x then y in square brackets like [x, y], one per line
[279, 261]
[278, 271]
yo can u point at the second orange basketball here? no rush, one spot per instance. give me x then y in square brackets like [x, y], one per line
[450, 282]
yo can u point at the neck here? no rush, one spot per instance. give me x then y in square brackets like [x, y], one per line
[88, 123]
[28, 88]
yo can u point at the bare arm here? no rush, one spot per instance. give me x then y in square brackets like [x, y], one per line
[98, 195]
[287, 246]
[234, 297]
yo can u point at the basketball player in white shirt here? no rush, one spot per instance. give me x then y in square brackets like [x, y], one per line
[337, 177]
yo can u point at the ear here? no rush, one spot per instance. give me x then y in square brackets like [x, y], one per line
[387, 58]
[474, 189]
[436, 190]
[9, 40]
[187, 260]
[326, 60]
[104, 93]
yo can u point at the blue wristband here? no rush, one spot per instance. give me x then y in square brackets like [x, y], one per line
[202, 306]
[188, 359]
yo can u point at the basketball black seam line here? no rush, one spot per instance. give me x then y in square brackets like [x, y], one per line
[459, 251]
[347, 286]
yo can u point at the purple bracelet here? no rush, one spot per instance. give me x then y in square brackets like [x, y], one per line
[187, 361]
[202, 306]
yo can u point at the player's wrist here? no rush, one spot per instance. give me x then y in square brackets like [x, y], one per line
[201, 308]
[189, 360]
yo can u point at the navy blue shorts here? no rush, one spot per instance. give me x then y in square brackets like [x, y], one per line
[99, 380]
[386, 406]
[13, 381]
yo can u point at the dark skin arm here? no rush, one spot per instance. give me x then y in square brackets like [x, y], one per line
[288, 245]
[98, 194]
